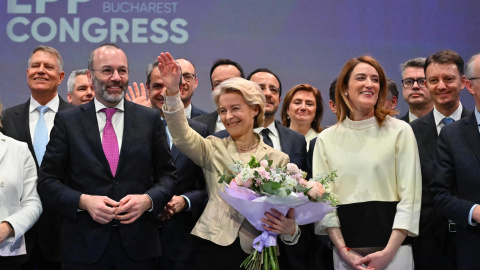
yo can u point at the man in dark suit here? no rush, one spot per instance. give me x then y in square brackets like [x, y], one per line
[221, 70]
[415, 92]
[434, 248]
[179, 250]
[109, 172]
[456, 186]
[44, 74]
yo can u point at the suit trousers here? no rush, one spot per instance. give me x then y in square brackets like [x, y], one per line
[114, 257]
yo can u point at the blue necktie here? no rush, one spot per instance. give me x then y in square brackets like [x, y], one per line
[447, 121]
[40, 138]
[266, 139]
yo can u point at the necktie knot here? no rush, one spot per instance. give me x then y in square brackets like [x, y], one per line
[447, 121]
[42, 109]
[109, 112]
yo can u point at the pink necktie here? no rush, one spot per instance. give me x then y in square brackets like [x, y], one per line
[109, 141]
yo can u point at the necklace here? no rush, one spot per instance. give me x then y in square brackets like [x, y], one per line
[248, 149]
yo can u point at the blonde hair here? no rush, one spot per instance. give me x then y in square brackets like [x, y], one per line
[251, 93]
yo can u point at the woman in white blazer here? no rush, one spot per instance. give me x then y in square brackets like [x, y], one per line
[20, 205]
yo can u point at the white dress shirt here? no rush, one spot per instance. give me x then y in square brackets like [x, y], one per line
[49, 115]
[274, 136]
[456, 115]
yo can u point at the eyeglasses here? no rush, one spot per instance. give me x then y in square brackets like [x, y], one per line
[471, 79]
[108, 72]
[188, 77]
[408, 83]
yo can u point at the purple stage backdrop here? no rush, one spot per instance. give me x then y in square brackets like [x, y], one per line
[301, 41]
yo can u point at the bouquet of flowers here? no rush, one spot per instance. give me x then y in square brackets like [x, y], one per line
[256, 187]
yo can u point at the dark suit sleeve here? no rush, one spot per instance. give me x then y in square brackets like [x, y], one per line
[444, 182]
[52, 173]
[164, 170]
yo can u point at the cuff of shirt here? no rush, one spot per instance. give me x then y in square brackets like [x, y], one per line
[151, 208]
[188, 202]
[172, 103]
[291, 240]
[470, 215]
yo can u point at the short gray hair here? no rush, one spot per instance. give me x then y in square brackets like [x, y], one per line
[418, 62]
[149, 70]
[72, 77]
[469, 72]
[48, 49]
[251, 93]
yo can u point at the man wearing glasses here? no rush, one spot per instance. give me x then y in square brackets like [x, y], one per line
[434, 248]
[109, 173]
[189, 84]
[415, 92]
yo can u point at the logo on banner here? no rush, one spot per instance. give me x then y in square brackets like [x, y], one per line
[122, 21]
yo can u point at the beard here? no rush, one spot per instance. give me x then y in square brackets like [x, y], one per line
[101, 90]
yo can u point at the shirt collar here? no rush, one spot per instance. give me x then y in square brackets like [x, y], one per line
[456, 115]
[99, 105]
[477, 116]
[52, 104]
[188, 110]
[271, 127]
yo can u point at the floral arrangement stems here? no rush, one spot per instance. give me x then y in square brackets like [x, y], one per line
[262, 260]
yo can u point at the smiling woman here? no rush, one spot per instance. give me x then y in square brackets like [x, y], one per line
[302, 111]
[226, 236]
[379, 179]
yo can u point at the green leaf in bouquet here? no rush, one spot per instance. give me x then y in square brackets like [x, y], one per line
[253, 163]
[271, 186]
[224, 178]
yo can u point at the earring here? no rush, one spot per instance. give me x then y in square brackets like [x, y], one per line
[346, 94]
[288, 117]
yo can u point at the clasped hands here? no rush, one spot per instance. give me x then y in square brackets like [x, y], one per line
[103, 209]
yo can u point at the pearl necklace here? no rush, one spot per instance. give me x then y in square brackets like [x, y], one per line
[248, 149]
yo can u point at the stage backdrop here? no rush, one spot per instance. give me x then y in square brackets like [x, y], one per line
[301, 41]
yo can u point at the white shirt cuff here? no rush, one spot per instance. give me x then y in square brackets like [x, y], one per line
[188, 202]
[470, 215]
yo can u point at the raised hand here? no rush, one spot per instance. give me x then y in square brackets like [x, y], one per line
[138, 96]
[171, 73]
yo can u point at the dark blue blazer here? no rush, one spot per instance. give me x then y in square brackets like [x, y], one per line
[456, 184]
[45, 232]
[196, 112]
[209, 119]
[75, 164]
[429, 246]
[406, 117]
[177, 242]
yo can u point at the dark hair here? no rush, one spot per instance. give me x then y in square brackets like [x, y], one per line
[149, 70]
[331, 90]
[418, 62]
[392, 89]
[92, 54]
[225, 62]
[318, 100]
[342, 104]
[266, 70]
[445, 57]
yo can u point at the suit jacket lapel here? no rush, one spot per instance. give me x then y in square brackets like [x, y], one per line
[3, 145]
[130, 124]
[174, 151]
[472, 136]
[430, 135]
[88, 120]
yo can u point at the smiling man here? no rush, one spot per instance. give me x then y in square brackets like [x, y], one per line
[31, 122]
[79, 89]
[189, 84]
[434, 248]
[110, 200]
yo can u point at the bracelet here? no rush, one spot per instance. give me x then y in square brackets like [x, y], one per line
[348, 249]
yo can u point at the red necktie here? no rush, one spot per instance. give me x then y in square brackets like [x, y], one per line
[109, 141]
